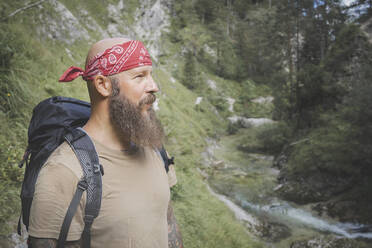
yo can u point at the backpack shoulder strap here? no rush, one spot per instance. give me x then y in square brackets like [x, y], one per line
[167, 161]
[91, 182]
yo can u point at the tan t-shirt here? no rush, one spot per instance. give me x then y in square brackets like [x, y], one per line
[135, 198]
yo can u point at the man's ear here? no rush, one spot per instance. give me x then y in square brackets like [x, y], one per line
[102, 85]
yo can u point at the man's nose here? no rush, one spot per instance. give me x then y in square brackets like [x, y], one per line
[152, 87]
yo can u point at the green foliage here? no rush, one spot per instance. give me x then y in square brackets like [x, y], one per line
[12, 95]
[9, 201]
[268, 138]
[273, 137]
[317, 65]
[226, 58]
[11, 143]
[185, 128]
[347, 45]
[325, 149]
[257, 46]
[204, 221]
[242, 44]
[219, 102]
[233, 128]
[248, 92]
[348, 89]
[28, 69]
[191, 77]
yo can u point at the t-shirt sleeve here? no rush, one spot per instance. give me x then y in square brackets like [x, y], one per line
[54, 189]
[172, 179]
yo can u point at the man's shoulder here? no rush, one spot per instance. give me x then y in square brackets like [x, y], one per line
[64, 157]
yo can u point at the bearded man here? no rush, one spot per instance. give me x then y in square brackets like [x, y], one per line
[135, 210]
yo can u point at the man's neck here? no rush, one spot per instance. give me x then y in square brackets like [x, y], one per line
[100, 128]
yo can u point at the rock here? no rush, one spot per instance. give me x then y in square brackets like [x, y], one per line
[62, 24]
[249, 122]
[212, 84]
[280, 161]
[156, 105]
[239, 173]
[218, 164]
[19, 241]
[114, 28]
[152, 19]
[231, 102]
[14, 240]
[328, 242]
[91, 24]
[272, 231]
[263, 100]
[198, 100]
[320, 208]
[209, 50]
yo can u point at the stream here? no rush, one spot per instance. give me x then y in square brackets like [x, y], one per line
[247, 184]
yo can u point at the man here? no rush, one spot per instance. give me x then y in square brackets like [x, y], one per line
[135, 210]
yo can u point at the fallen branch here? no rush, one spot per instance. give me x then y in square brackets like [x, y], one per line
[299, 141]
[24, 8]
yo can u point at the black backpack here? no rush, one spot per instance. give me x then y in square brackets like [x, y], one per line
[54, 121]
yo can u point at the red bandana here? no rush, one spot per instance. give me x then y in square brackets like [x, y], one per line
[113, 60]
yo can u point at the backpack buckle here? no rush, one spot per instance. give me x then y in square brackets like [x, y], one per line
[97, 168]
[171, 160]
[82, 184]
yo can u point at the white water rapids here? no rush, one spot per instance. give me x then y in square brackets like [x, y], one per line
[276, 210]
[286, 213]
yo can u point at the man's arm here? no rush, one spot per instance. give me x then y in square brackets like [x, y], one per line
[174, 234]
[52, 243]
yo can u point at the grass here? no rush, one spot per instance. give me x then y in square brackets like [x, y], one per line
[30, 75]
[205, 222]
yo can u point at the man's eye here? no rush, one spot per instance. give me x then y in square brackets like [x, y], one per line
[139, 76]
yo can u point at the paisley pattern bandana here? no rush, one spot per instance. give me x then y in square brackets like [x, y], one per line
[116, 59]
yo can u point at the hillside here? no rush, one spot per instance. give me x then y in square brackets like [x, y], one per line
[265, 104]
[40, 42]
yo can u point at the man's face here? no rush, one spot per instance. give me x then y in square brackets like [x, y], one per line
[137, 85]
[130, 107]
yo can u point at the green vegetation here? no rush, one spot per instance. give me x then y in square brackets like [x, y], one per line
[267, 139]
[312, 58]
[30, 66]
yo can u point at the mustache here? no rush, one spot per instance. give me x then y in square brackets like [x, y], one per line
[149, 99]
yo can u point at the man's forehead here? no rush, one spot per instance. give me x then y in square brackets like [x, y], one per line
[137, 70]
[145, 68]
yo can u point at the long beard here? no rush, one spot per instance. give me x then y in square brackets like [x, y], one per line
[141, 129]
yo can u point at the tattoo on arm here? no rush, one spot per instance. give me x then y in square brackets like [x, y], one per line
[174, 234]
[52, 243]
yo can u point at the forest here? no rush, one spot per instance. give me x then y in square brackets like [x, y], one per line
[313, 58]
[316, 59]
